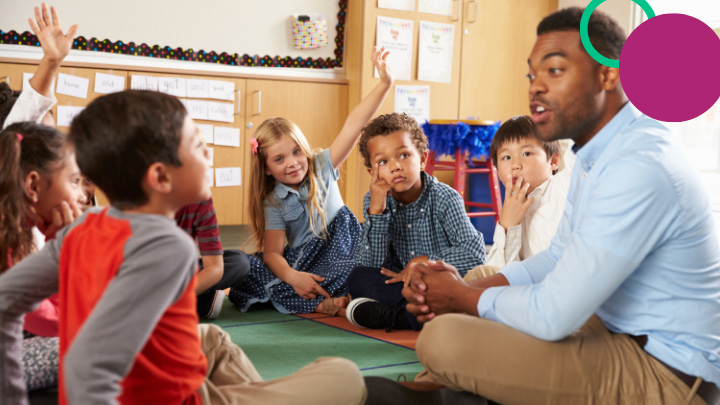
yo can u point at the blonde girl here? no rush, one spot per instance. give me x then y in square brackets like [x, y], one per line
[307, 238]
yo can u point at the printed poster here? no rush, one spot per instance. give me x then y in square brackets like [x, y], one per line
[407, 5]
[396, 36]
[435, 55]
[413, 101]
[442, 7]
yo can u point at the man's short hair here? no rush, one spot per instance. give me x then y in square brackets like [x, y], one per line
[605, 34]
[516, 129]
[386, 125]
[119, 136]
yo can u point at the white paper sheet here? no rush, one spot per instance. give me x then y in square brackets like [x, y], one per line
[222, 112]
[106, 84]
[66, 113]
[211, 156]
[209, 177]
[442, 7]
[72, 85]
[396, 36]
[413, 101]
[139, 82]
[227, 136]
[407, 5]
[197, 88]
[207, 131]
[435, 54]
[227, 177]
[197, 109]
[174, 86]
[221, 90]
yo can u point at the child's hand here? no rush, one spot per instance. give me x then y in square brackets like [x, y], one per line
[380, 62]
[63, 215]
[306, 285]
[379, 190]
[516, 203]
[55, 44]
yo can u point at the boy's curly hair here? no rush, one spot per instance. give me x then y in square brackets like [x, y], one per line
[386, 125]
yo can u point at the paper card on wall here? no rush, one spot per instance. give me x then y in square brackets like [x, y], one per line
[211, 156]
[413, 101]
[72, 85]
[220, 112]
[396, 36]
[66, 113]
[435, 54]
[408, 5]
[209, 177]
[139, 82]
[207, 131]
[26, 81]
[227, 136]
[221, 90]
[174, 86]
[197, 109]
[197, 88]
[227, 177]
[442, 7]
[106, 84]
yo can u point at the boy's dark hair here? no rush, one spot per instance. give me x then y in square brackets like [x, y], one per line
[387, 124]
[516, 129]
[8, 97]
[605, 34]
[118, 136]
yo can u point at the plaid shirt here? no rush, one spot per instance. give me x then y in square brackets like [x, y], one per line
[434, 225]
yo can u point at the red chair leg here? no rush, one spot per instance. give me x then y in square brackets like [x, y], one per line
[494, 189]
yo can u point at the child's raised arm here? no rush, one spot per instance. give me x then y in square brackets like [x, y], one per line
[55, 45]
[363, 112]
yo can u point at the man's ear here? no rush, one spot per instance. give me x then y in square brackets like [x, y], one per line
[554, 161]
[158, 178]
[424, 159]
[609, 77]
[32, 186]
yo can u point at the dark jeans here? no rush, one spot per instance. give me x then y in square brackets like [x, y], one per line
[235, 267]
[369, 282]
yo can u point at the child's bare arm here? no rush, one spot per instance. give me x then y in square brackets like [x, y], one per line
[305, 284]
[55, 44]
[363, 112]
[211, 274]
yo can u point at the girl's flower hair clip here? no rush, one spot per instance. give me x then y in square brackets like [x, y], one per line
[253, 145]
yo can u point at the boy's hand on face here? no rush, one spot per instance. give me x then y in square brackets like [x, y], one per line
[54, 43]
[516, 203]
[379, 190]
[379, 59]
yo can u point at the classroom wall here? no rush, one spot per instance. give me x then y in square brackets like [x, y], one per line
[620, 10]
[259, 27]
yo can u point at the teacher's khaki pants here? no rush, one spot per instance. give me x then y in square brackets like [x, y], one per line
[232, 379]
[592, 366]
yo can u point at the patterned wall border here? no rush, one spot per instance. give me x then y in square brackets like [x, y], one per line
[165, 52]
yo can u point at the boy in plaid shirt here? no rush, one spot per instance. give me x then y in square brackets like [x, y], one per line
[409, 217]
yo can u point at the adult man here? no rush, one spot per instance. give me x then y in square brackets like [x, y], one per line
[636, 247]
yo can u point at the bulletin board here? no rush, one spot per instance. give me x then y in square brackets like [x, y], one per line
[233, 33]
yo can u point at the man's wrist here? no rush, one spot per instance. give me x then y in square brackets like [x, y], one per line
[466, 298]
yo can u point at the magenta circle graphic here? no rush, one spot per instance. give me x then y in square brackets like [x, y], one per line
[670, 67]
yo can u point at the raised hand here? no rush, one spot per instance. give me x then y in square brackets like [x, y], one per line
[55, 44]
[379, 190]
[516, 203]
[379, 58]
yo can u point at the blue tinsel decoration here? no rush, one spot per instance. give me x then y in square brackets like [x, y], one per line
[445, 139]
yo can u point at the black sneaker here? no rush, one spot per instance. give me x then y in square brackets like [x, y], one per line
[370, 314]
[210, 305]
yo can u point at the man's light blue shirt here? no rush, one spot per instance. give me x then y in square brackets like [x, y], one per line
[636, 245]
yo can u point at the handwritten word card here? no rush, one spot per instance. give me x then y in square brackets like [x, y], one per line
[413, 101]
[174, 86]
[407, 5]
[435, 55]
[442, 7]
[227, 177]
[197, 88]
[66, 113]
[227, 136]
[139, 82]
[197, 109]
[106, 84]
[396, 36]
[207, 131]
[220, 111]
[209, 177]
[72, 85]
[221, 90]
[211, 156]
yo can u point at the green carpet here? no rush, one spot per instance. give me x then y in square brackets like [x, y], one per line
[280, 344]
